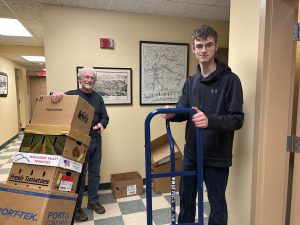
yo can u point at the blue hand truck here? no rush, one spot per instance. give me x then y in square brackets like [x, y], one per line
[172, 174]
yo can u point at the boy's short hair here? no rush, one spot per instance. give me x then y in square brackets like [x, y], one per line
[203, 32]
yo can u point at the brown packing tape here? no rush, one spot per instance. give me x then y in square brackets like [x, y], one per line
[58, 130]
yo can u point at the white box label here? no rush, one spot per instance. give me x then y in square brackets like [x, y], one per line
[65, 185]
[47, 160]
[131, 190]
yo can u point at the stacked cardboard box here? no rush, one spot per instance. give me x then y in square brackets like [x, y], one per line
[160, 163]
[44, 175]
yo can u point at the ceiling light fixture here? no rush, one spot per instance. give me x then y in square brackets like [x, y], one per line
[34, 58]
[13, 27]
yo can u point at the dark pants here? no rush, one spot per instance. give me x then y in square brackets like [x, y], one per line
[92, 163]
[215, 179]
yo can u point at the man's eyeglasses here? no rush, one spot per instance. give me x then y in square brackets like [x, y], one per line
[206, 46]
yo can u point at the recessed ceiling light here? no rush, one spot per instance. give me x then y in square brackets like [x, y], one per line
[12, 27]
[34, 58]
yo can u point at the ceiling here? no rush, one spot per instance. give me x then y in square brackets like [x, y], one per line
[30, 14]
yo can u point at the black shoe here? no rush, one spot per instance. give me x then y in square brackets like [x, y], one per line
[97, 207]
[80, 216]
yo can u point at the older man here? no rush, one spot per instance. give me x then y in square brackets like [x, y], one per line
[87, 78]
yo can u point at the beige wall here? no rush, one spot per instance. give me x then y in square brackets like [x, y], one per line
[8, 111]
[22, 50]
[72, 39]
[243, 53]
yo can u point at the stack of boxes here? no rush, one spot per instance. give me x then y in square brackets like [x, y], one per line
[41, 185]
[160, 163]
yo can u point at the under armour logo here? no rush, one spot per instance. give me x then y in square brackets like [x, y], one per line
[214, 91]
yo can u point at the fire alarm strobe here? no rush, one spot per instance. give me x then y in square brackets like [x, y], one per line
[107, 43]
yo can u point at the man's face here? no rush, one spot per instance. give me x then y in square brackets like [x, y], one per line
[205, 50]
[87, 80]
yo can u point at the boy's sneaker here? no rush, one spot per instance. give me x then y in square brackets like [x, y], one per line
[97, 207]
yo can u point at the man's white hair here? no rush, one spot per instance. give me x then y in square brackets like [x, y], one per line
[87, 68]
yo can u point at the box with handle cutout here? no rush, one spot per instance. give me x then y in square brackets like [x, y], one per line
[54, 145]
[43, 177]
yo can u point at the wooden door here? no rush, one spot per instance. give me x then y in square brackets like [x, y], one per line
[38, 87]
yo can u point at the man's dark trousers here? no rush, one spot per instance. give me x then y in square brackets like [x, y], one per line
[92, 163]
[215, 179]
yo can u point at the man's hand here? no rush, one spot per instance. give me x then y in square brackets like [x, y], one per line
[169, 115]
[199, 119]
[57, 96]
[99, 127]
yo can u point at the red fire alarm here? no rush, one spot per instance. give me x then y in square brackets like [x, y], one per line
[107, 43]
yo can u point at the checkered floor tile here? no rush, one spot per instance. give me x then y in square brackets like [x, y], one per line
[122, 211]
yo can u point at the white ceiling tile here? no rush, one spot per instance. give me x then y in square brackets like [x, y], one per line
[27, 12]
[5, 12]
[93, 4]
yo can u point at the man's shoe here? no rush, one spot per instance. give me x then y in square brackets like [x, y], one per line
[97, 207]
[80, 216]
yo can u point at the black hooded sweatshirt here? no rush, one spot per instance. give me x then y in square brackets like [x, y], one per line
[220, 97]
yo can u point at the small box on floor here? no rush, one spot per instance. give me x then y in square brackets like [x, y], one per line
[126, 184]
[163, 185]
[22, 205]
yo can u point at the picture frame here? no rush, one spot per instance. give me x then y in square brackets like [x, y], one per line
[114, 84]
[3, 84]
[163, 71]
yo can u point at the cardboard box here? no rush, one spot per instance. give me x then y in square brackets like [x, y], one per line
[54, 145]
[43, 177]
[72, 111]
[26, 206]
[163, 185]
[160, 150]
[126, 184]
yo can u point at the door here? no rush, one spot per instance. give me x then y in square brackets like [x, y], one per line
[38, 87]
[17, 80]
[295, 186]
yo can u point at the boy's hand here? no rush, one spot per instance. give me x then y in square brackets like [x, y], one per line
[200, 120]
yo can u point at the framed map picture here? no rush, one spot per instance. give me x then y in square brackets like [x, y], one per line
[163, 71]
[114, 84]
[3, 85]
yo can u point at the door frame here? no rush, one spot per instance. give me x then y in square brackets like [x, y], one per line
[273, 112]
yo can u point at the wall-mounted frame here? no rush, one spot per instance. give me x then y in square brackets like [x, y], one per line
[114, 84]
[3, 84]
[163, 71]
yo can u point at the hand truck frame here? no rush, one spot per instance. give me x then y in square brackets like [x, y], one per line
[172, 174]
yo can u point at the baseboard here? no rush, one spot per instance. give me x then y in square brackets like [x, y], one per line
[8, 142]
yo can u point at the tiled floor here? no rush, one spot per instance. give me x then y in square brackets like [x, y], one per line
[122, 211]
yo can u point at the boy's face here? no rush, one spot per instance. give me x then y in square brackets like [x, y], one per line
[205, 50]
